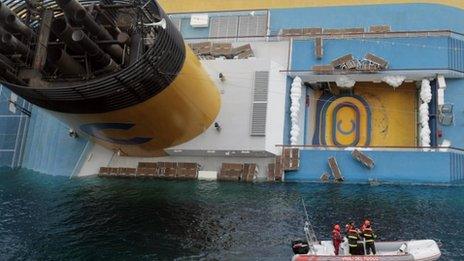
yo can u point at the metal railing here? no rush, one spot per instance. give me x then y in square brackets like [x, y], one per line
[412, 73]
[334, 36]
[454, 49]
[373, 148]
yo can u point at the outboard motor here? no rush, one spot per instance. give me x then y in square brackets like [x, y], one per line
[300, 246]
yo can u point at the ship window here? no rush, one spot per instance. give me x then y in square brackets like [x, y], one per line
[252, 26]
[223, 26]
[238, 26]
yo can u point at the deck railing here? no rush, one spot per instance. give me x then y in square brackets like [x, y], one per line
[333, 36]
[374, 148]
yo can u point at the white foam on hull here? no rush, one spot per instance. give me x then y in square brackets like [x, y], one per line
[207, 175]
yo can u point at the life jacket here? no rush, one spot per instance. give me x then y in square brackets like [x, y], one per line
[353, 237]
[368, 234]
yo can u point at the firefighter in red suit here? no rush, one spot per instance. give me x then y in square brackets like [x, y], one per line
[336, 238]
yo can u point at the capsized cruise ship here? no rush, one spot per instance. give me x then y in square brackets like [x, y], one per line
[349, 91]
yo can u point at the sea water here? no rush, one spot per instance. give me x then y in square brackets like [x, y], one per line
[56, 218]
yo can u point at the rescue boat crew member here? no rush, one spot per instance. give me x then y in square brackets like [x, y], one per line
[353, 237]
[369, 237]
[336, 238]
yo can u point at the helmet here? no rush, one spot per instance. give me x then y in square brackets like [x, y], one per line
[337, 227]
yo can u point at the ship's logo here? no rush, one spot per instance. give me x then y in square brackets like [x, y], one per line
[344, 121]
[100, 130]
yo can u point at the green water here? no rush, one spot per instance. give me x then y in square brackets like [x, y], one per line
[54, 218]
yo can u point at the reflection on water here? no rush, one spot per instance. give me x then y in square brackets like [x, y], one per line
[45, 217]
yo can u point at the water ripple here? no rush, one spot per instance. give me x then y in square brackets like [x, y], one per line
[44, 217]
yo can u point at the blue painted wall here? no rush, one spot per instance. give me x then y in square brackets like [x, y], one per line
[454, 94]
[391, 166]
[49, 149]
[401, 17]
[192, 32]
[12, 134]
[402, 53]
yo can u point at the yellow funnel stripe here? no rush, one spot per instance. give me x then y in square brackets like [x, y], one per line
[182, 111]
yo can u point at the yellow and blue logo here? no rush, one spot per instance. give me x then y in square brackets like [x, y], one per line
[345, 121]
